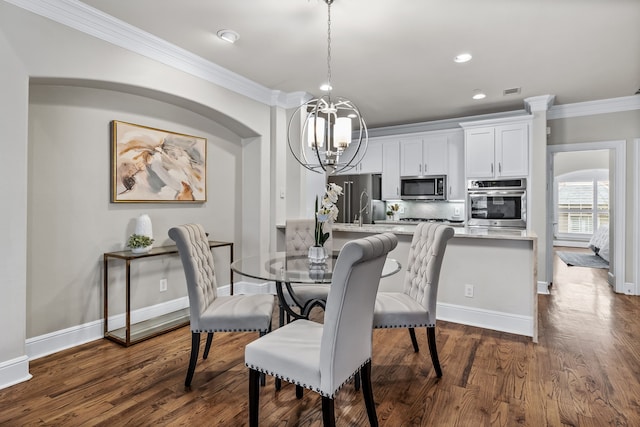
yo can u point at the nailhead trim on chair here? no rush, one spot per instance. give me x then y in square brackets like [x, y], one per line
[228, 330]
[421, 325]
[287, 379]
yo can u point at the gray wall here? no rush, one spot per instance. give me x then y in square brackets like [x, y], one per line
[606, 127]
[52, 246]
[71, 222]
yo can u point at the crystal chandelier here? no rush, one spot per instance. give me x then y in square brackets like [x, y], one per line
[333, 136]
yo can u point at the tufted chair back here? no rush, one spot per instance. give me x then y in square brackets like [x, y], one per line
[197, 260]
[300, 236]
[424, 263]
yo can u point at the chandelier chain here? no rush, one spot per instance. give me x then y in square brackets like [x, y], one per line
[329, 44]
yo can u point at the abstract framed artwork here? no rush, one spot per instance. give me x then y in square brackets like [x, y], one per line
[153, 165]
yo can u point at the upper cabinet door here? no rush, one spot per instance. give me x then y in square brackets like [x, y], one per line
[455, 174]
[372, 160]
[390, 170]
[512, 150]
[479, 152]
[435, 155]
[411, 157]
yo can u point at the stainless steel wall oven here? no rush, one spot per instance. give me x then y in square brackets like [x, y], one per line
[497, 203]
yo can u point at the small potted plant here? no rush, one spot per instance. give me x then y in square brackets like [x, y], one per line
[395, 211]
[139, 243]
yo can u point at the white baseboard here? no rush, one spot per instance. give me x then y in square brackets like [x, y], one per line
[631, 289]
[487, 319]
[543, 288]
[53, 342]
[571, 243]
[14, 371]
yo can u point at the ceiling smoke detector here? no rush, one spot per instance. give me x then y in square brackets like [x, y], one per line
[511, 91]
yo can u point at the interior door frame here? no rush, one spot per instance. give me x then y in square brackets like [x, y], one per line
[618, 154]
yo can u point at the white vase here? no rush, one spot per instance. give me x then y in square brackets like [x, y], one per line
[317, 255]
[144, 228]
[143, 250]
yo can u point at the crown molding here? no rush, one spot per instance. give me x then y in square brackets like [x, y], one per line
[86, 19]
[539, 103]
[590, 108]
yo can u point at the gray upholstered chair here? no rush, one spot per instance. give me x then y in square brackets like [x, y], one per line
[322, 357]
[415, 307]
[299, 237]
[209, 312]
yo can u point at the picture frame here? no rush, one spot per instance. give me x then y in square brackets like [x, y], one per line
[152, 165]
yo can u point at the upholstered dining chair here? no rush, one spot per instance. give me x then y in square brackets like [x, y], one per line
[322, 357]
[299, 237]
[415, 306]
[209, 312]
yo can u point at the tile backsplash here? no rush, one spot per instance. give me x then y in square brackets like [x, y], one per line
[416, 209]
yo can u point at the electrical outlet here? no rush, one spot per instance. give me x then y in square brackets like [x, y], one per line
[163, 285]
[456, 211]
[468, 291]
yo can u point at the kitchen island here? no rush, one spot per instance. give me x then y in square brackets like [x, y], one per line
[488, 277]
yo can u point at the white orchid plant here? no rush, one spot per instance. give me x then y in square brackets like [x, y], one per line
[327, 212]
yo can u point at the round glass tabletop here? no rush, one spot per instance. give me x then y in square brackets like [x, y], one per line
[278, 266]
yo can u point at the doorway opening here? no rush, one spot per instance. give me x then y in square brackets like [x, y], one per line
[586, 193]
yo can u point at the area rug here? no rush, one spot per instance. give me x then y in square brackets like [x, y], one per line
[578, 259]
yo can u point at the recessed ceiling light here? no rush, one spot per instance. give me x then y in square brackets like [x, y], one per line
[463, 57]
[228, 35]
[479, 95]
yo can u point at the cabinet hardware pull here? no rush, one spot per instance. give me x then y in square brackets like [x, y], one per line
[500, 167]
[491, 167]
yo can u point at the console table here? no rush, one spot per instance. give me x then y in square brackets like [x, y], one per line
[132, 334]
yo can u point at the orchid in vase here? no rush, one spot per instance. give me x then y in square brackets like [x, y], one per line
[325, 212]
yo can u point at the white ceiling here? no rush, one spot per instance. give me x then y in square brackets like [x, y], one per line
[394, 59]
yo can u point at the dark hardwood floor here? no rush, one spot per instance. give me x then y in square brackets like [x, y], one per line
[585, 371]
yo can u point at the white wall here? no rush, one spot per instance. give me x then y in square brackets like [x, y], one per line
[580, 160]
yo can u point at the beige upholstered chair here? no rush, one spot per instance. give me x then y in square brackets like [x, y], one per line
[322, 357]
[299, 237]
[415, 307]
[209, 312]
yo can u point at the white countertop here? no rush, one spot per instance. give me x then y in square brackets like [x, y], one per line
[460, 231]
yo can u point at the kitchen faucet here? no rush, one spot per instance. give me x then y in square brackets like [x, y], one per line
[362, 209]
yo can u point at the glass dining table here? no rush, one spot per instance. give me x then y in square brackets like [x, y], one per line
[284, 269]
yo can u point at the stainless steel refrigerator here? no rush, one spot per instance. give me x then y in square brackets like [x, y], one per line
[357, 188]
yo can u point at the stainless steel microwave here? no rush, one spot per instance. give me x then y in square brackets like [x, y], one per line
[423, 187]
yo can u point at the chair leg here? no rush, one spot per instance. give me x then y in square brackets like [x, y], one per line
[328, 413]
[299, 392]
[254, 397]
[195, 348]
[414, 341]
[207, 345]
[263, 377]
[431, 339]
[278, 384]
[365, 372]
[281, 316]
[356, 381]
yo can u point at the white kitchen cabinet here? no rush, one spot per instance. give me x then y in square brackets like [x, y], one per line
[424, 155]
[497, 151]
[372, 160]
[370, 163]
[455, 175]
[390, 170]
